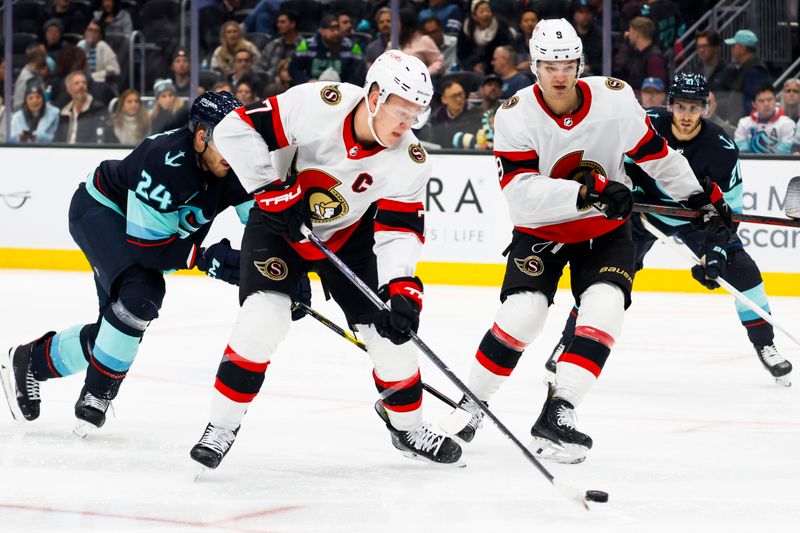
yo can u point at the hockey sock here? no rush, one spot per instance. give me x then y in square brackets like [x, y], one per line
[759, 331]
[404, 402]
[581, 363]
[497, 356]
[61, 355]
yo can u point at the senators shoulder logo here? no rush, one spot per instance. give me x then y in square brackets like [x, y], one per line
[614, 84]
[417, 153]
[331, 95]
[511, 102]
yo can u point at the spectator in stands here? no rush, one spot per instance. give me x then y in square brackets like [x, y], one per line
[166, 105]
[445, 43]
[653, 94]
[383, 21]
[35, 56]
[490, 90]
[53, 37]
[767, 130]
[554, 9]
[327, 49]
[446, 12]
[481, 34]
[263, 17]
[243, 68]
[181, 74]
[452, 116]
[83, 119]
[483, 139]
[281, 82]
[345, 25]
[745, 74]
[72, 18]
[213, 14]
[129, 121]
[416, 44]
[245, 92]
[644, 58]
[667, 20]
[114, 19]
[712, 64]
[528, 19]
[102, 60]
[712, 115]
[282, 46]
[37, 120]
[591, 36]
[231, 40]
[504, 65]
[73, 58]
[790, 98]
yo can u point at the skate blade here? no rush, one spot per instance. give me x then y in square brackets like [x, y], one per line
[83, 428]
[785, 380]
[9, 386]
[455, 422]
[411, 455]
[568, 454]
[199, 472]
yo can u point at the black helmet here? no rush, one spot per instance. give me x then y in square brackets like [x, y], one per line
[210, 108]
[689, 86]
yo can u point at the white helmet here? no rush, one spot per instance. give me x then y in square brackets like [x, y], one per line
[405, 76]
[555, 40]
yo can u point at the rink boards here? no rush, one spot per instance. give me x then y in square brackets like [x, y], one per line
[467, 224]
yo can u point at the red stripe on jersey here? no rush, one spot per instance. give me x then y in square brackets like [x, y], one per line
[511, 175]
[658, 155]
[491, 366]
[398, 385]
[574, 231]
[242, 112]
[241, 362]
[402, 207]
[568, 121]
[154, 243]
[352, 146]
[578, 360]
[507, 339]
[231, 394]
[596, 335]
[277, 125]
[384, 227]
[309, 250]
[647, 136]
[517, 156]
[192, 257]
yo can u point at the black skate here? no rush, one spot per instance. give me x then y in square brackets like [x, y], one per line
[90, 411]
[776, 365]
[555, 436]
[20, 387]
[475, 421]
[550, 364]
[422, 442]
[213, 446]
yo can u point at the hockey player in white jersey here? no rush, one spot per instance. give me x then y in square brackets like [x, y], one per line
[358, 179]
[560, 148]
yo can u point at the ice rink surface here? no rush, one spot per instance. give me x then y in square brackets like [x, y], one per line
[690, 432]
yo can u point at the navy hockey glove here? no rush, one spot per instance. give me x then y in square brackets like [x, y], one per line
[405, 301]
[713, 266]
[284, 210]
[220, 261]
[716, 216]
[303, 295]
[614, 199]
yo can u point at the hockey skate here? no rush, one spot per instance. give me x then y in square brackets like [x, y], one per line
[550, 364]
[212, 447]
[20, 387]
[776, 365]
[90, 412]
[475, 421]
[422, 442]
[555, 436]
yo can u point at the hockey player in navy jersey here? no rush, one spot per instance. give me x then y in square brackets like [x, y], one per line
[134, 219]
[713, 156]
[358, 179]
[560, 148]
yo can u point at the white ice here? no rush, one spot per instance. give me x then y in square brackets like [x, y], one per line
[690, 432]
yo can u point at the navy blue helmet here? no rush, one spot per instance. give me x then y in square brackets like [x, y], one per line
[688, 86]
[210, 108]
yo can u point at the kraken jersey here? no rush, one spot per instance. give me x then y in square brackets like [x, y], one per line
[773, 135]
[167, 200]
[537, 152]
[711, 153]
[339, 178]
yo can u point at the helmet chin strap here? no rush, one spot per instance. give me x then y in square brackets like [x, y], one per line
[371, 118]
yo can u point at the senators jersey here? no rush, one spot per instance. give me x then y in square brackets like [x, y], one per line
[537, 152]
[340, 179]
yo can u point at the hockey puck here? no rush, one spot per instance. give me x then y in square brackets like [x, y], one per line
[596, 496]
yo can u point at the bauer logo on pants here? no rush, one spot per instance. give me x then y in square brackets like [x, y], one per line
[531, 265]
[273, 268]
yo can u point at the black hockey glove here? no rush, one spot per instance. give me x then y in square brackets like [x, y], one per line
[613, 198]
[303, 295]
[405, 302]
[716, 216]
[220, 261]
[285, 212]
[713, 266]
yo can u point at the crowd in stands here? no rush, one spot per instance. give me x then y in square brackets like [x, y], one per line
[73, 82]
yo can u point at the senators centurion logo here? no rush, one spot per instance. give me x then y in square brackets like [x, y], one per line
[331, 95]
[417, 153]
[614, 84]
[324, 201]
[511, 102]
[531, 265]
[273, 268]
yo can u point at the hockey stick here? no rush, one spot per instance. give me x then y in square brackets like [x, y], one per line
[350, 337]
[573, 494]
[688, 213]
[686, 252]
